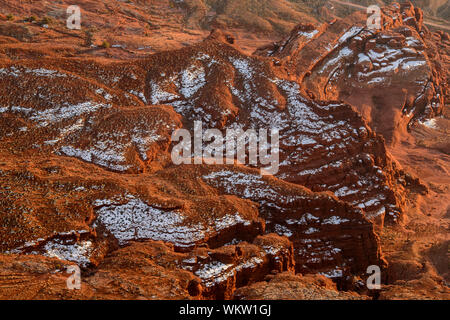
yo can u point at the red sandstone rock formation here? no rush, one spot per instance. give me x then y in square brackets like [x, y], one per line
[393, 76]
[92, 125]
[86, 175]
[294, 287]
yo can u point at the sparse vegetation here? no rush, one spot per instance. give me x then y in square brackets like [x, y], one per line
[10, 17]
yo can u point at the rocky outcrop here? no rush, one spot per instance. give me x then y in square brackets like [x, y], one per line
[103, 145]
[151, 270]
[253, 93]
[320, 242]
[287, 286]
[134, 272]
[392, 75]
[324, 146]
[87, 176]
[188, 207]
[224, 269]
[270, 16]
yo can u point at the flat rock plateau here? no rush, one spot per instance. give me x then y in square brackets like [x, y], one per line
[87, 179]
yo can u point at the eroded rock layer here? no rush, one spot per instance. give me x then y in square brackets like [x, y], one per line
[87, 176]
[394, 75]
